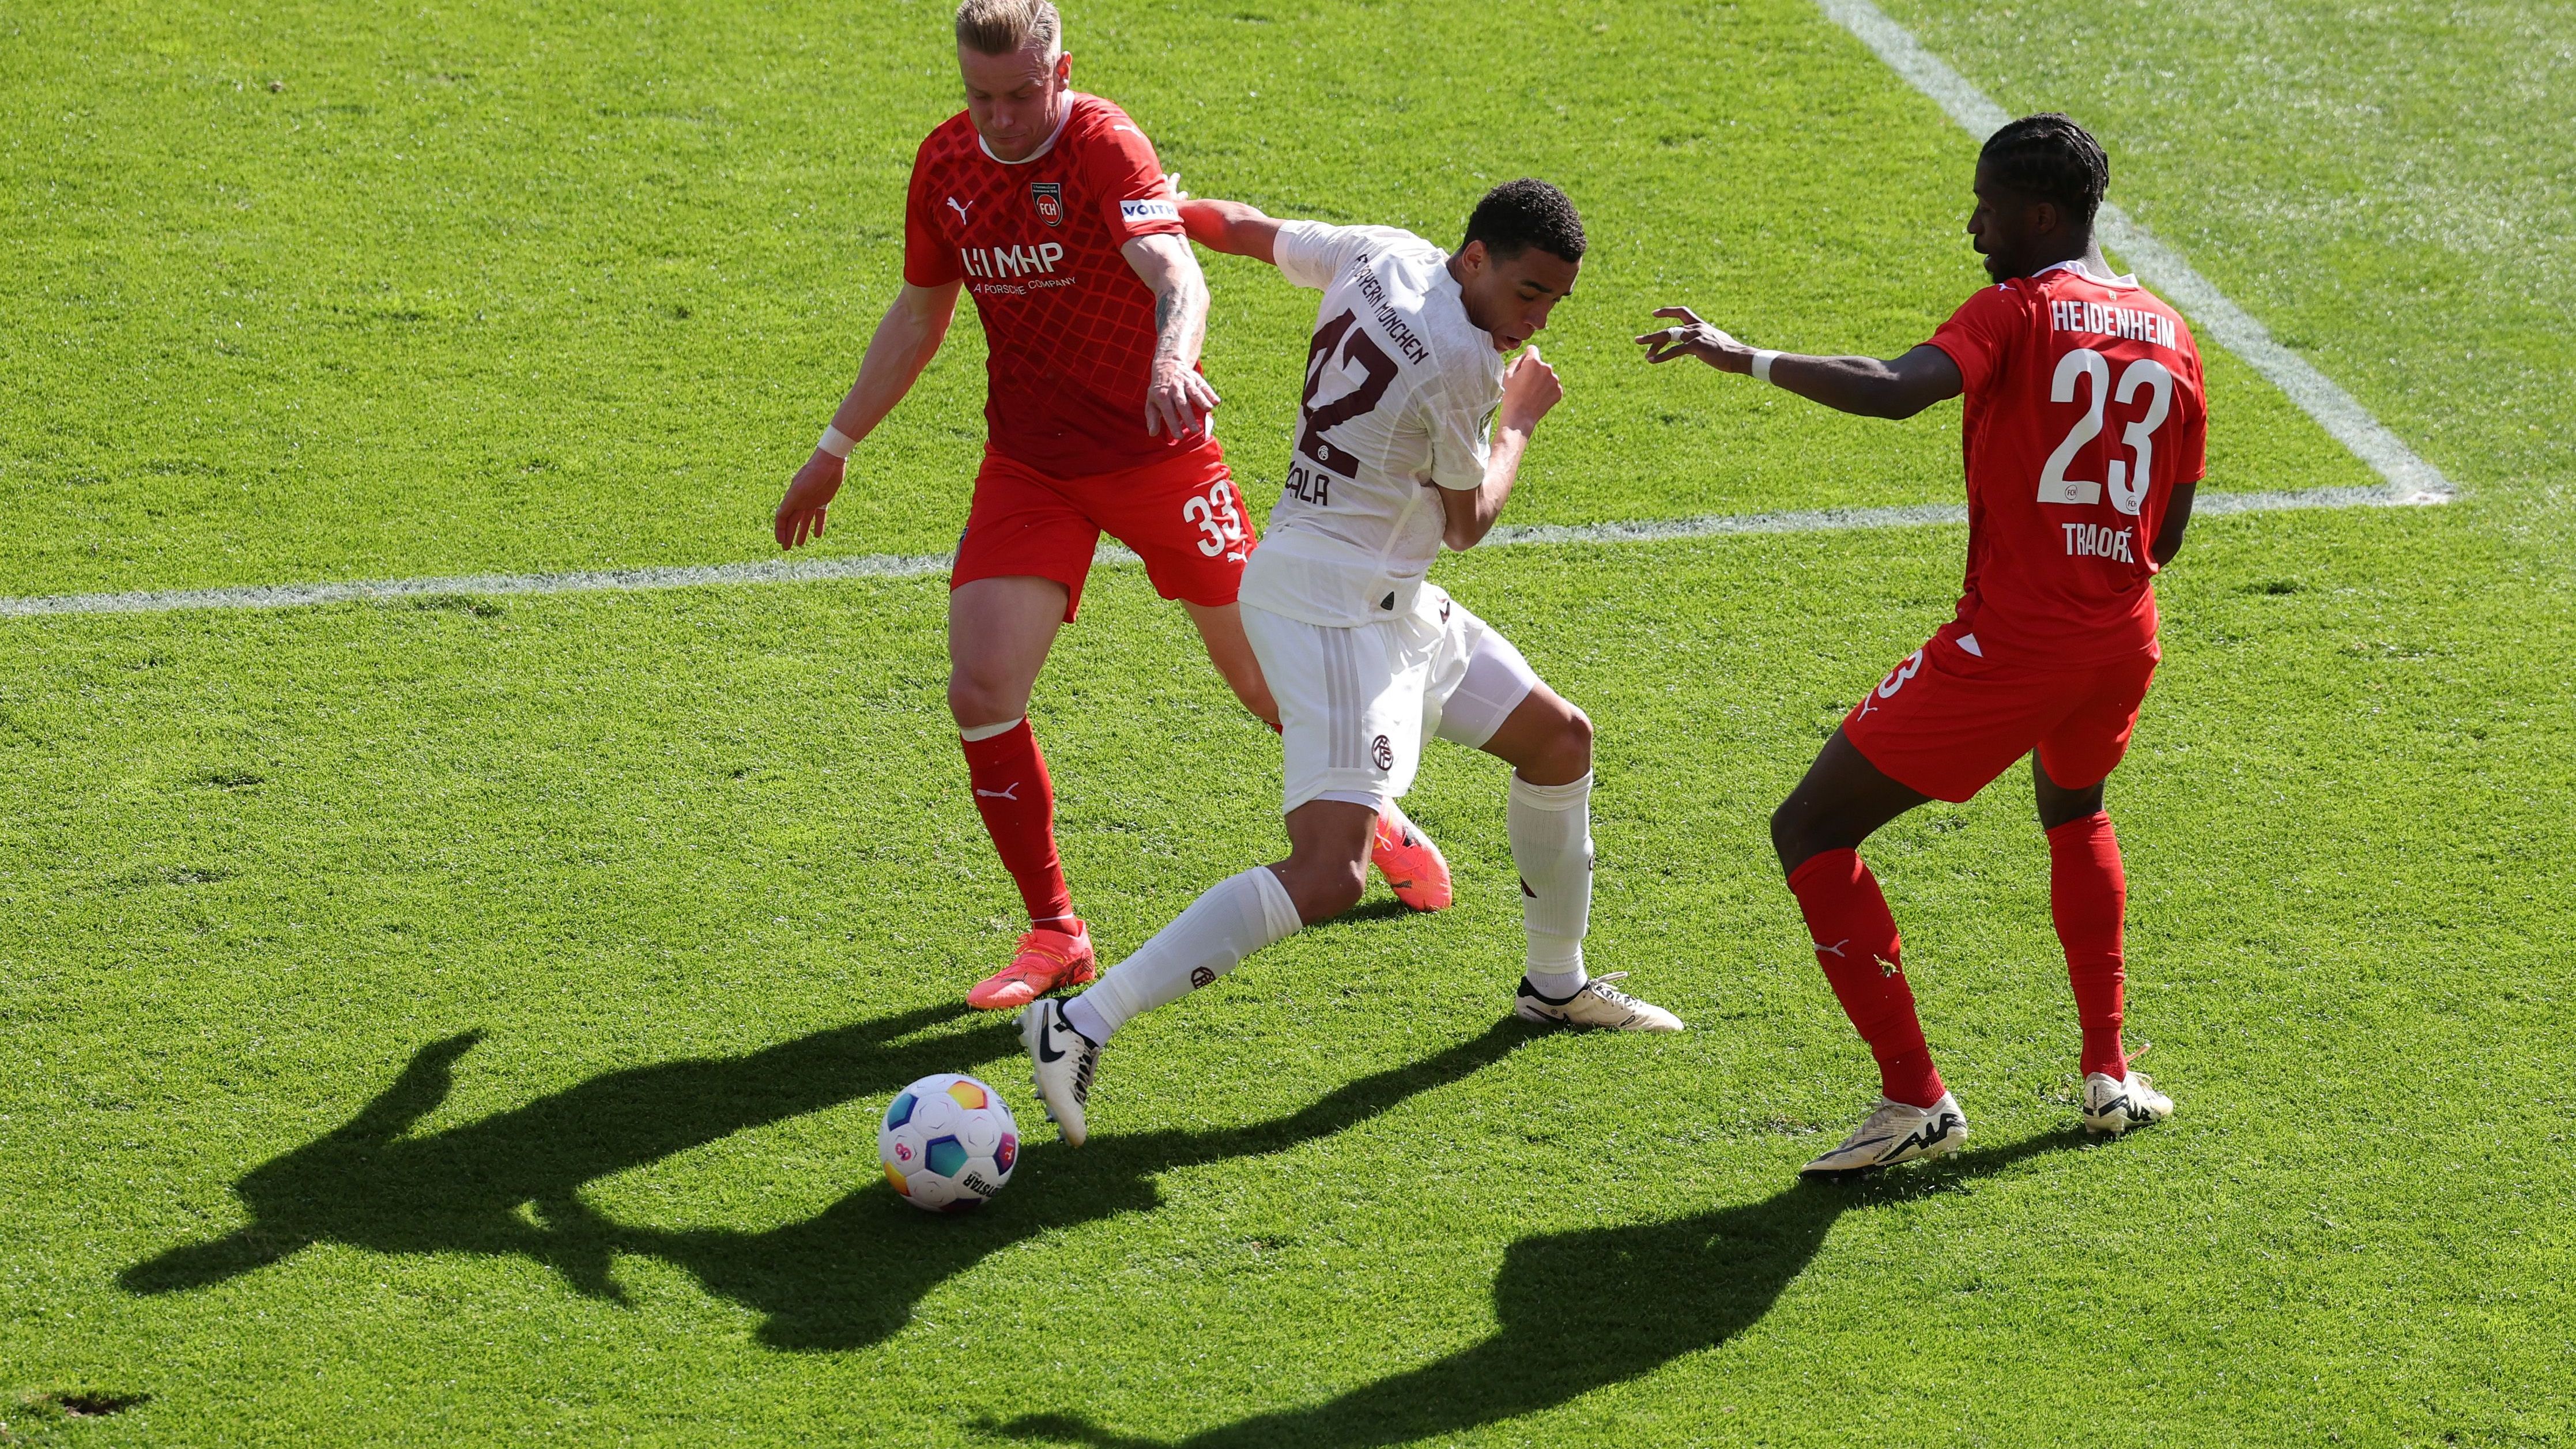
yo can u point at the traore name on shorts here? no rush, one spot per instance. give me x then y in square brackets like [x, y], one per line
[1389, 321]
[2069, 315]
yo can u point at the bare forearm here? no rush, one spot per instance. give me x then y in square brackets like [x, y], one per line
[1897, 387]
[1864, 386]
[1472, 515]
[904, 343]
[1180, 318]
[2177, 518]
[1231, 227]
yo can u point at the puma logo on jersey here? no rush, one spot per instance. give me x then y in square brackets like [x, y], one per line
[960, 207]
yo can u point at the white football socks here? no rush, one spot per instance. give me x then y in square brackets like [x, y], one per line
[1551, 831]
[1238, 916]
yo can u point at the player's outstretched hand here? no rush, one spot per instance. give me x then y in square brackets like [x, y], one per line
[1694, 338]
[809, 497]
[1530, 388]
[1178, 401]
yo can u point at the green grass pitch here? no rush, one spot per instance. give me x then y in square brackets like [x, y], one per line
[463, 1020]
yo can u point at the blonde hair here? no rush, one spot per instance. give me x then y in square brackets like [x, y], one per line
[1007, 27]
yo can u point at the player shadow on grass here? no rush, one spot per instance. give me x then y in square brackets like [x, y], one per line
[850, 1275]
[1587, 1309]
[507, 1184]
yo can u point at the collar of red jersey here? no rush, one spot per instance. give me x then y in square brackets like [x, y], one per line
[1052, 137]
[2076, 265]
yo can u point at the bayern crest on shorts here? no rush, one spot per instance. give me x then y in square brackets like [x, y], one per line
[1048, 197]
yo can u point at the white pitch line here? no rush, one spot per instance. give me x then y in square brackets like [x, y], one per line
[910, 566]
[2411, 480]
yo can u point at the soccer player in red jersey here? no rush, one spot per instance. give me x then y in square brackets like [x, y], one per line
[2083, 435]
[1051, 208]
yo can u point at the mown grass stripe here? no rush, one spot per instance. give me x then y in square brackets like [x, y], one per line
[905, 566]
[2410, 478]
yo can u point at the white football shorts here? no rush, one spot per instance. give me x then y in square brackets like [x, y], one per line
[1357, 703]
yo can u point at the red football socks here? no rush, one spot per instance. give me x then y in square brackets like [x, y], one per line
[1855, 940]
[2087, 894]
[1018, 804]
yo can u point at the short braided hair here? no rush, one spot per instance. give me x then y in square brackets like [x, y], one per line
[2050, 157]
[1518, 215]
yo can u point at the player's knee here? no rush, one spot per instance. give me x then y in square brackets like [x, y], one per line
[1575, 740]
[975, 701]
[1789, 834]
[1324, 889]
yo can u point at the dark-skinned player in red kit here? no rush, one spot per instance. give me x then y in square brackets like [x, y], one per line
[2083, 438]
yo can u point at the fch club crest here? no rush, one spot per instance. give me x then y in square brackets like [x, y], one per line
[1049, 199]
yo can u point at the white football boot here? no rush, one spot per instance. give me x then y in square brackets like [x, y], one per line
[2113, 1105]
[1895, 1133]
[1594, 1003]
[1061, 1061]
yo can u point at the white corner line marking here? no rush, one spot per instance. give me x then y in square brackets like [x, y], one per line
[2411, 480]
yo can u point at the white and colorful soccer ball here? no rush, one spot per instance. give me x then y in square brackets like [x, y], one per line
[948, 1143]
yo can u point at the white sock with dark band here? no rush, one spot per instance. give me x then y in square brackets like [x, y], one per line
[1551, 831]
[1238, 916]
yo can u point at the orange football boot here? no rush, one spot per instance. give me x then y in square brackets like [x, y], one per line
[1412, 865]
[1045, 961]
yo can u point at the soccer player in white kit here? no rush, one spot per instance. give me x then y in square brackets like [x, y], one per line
[1367, 657]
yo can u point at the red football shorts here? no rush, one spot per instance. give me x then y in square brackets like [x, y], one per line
[1180, 514]
[1947, 722]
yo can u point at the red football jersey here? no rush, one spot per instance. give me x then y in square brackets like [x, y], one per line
[2084, 410]
[1068, 325]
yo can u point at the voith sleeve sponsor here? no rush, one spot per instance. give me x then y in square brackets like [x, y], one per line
[1125, 178]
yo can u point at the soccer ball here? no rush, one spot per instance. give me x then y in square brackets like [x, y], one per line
[948, 1143]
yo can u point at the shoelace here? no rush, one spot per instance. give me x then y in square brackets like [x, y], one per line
[1600, 986]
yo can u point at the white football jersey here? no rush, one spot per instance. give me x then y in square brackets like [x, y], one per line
[1400, 394]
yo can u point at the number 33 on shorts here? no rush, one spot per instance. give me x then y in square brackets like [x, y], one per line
[1215, 514]
[1895, 681]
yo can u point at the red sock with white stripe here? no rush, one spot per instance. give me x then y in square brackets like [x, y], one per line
[1856, 943]
[2088, 893]
[1017, 801]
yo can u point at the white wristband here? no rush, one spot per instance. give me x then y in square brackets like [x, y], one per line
[1763, 357]
[836, 442]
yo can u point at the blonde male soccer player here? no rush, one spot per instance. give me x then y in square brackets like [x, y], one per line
[1367, 657]
[1051, 208]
